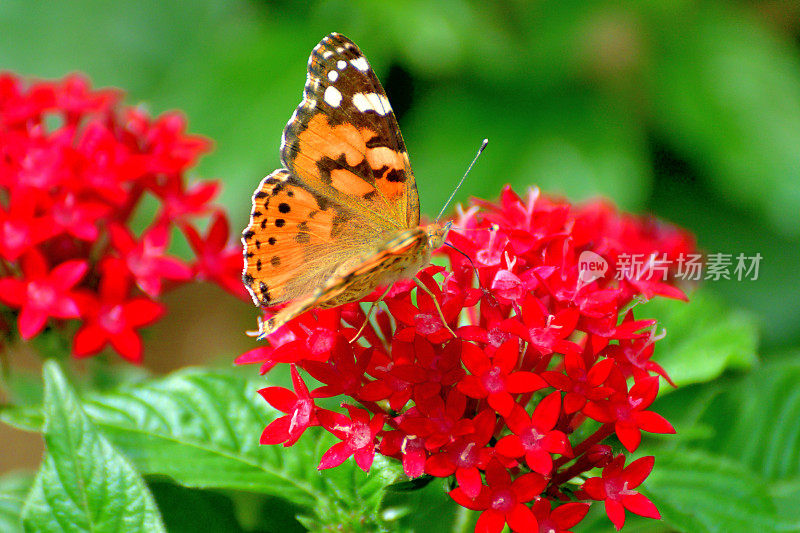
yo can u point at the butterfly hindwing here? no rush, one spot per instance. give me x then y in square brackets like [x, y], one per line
[344, 141]
[291, 240]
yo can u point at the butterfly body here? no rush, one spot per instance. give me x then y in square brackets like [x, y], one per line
[342, 217]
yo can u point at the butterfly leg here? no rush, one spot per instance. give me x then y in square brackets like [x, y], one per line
[435, 303]
[259, 331]
[369, 313]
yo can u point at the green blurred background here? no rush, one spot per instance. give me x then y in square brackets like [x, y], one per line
[686, 109]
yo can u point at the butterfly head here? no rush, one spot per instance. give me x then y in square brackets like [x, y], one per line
[437, 233]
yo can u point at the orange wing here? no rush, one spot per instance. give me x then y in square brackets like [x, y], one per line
[346, 191]
[344, 142]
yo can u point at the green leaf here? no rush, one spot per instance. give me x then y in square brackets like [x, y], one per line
[84, 484]
[13, 489]
[26, 418]
[697, 491]
[756, 421]
[191, 510]
[703, 338]
[202, 428]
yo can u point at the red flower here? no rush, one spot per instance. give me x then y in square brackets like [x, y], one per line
[579, 384]
[466, 456]
[298, 405]
[616, 485]
[146, 259]
[496, 378]
[21, 228]
[74, 168]
[43, 293]
[462, 406]
[113, 318]
[534, 436]
[503, 500]
[357, 433]
[626, 411]
[217, 259]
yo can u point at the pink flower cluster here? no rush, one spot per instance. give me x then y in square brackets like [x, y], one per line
[75, 166]
[540, 352]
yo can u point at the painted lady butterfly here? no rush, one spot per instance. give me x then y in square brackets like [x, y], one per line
[342, 217]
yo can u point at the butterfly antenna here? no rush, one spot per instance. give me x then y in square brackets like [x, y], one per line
[480, 150]
[468, 259]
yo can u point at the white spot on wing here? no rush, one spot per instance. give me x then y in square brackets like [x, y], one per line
[333, 97]
[372, 102]
[333, 75]
[360, 63]
[326, 54]
[341, 64]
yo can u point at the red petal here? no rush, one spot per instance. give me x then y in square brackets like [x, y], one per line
[547, 412]
[128, 345]
[364, 457]
[31, 321]
[629, 435]
[506, 356]
[143, 312]
[502, 402]
[595, 487]
[637, 471]
[510, 446]
[276, 432]
[469, 479]
[573, 402]
[336, 455]
[474, 359]
[528, 486]
[472, 387]
[280, 398]
[524, 382]
[476, 504]
[439, 465]
[653, 422]
[88, 340]
[539, 461]
[644, 392]
[490, 521]
[69, 273]
[569, 514]
[521, 519]
[599, 372]
[12, 292]
[639, 504]
[616, 513]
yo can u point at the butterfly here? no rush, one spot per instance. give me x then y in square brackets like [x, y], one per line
[341, 217]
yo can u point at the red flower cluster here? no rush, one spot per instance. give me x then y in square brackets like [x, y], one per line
[542, 349]
[74, 167]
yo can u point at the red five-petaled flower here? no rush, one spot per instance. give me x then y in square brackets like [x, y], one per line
[114, 317]
[627, 411]
[42, 293]
[358, 437]
[495, 378]
[534, 437]
[466, 456]
[299, 406]
[615, 488]
[503, 501]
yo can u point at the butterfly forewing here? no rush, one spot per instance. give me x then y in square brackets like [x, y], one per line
[344, 140]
